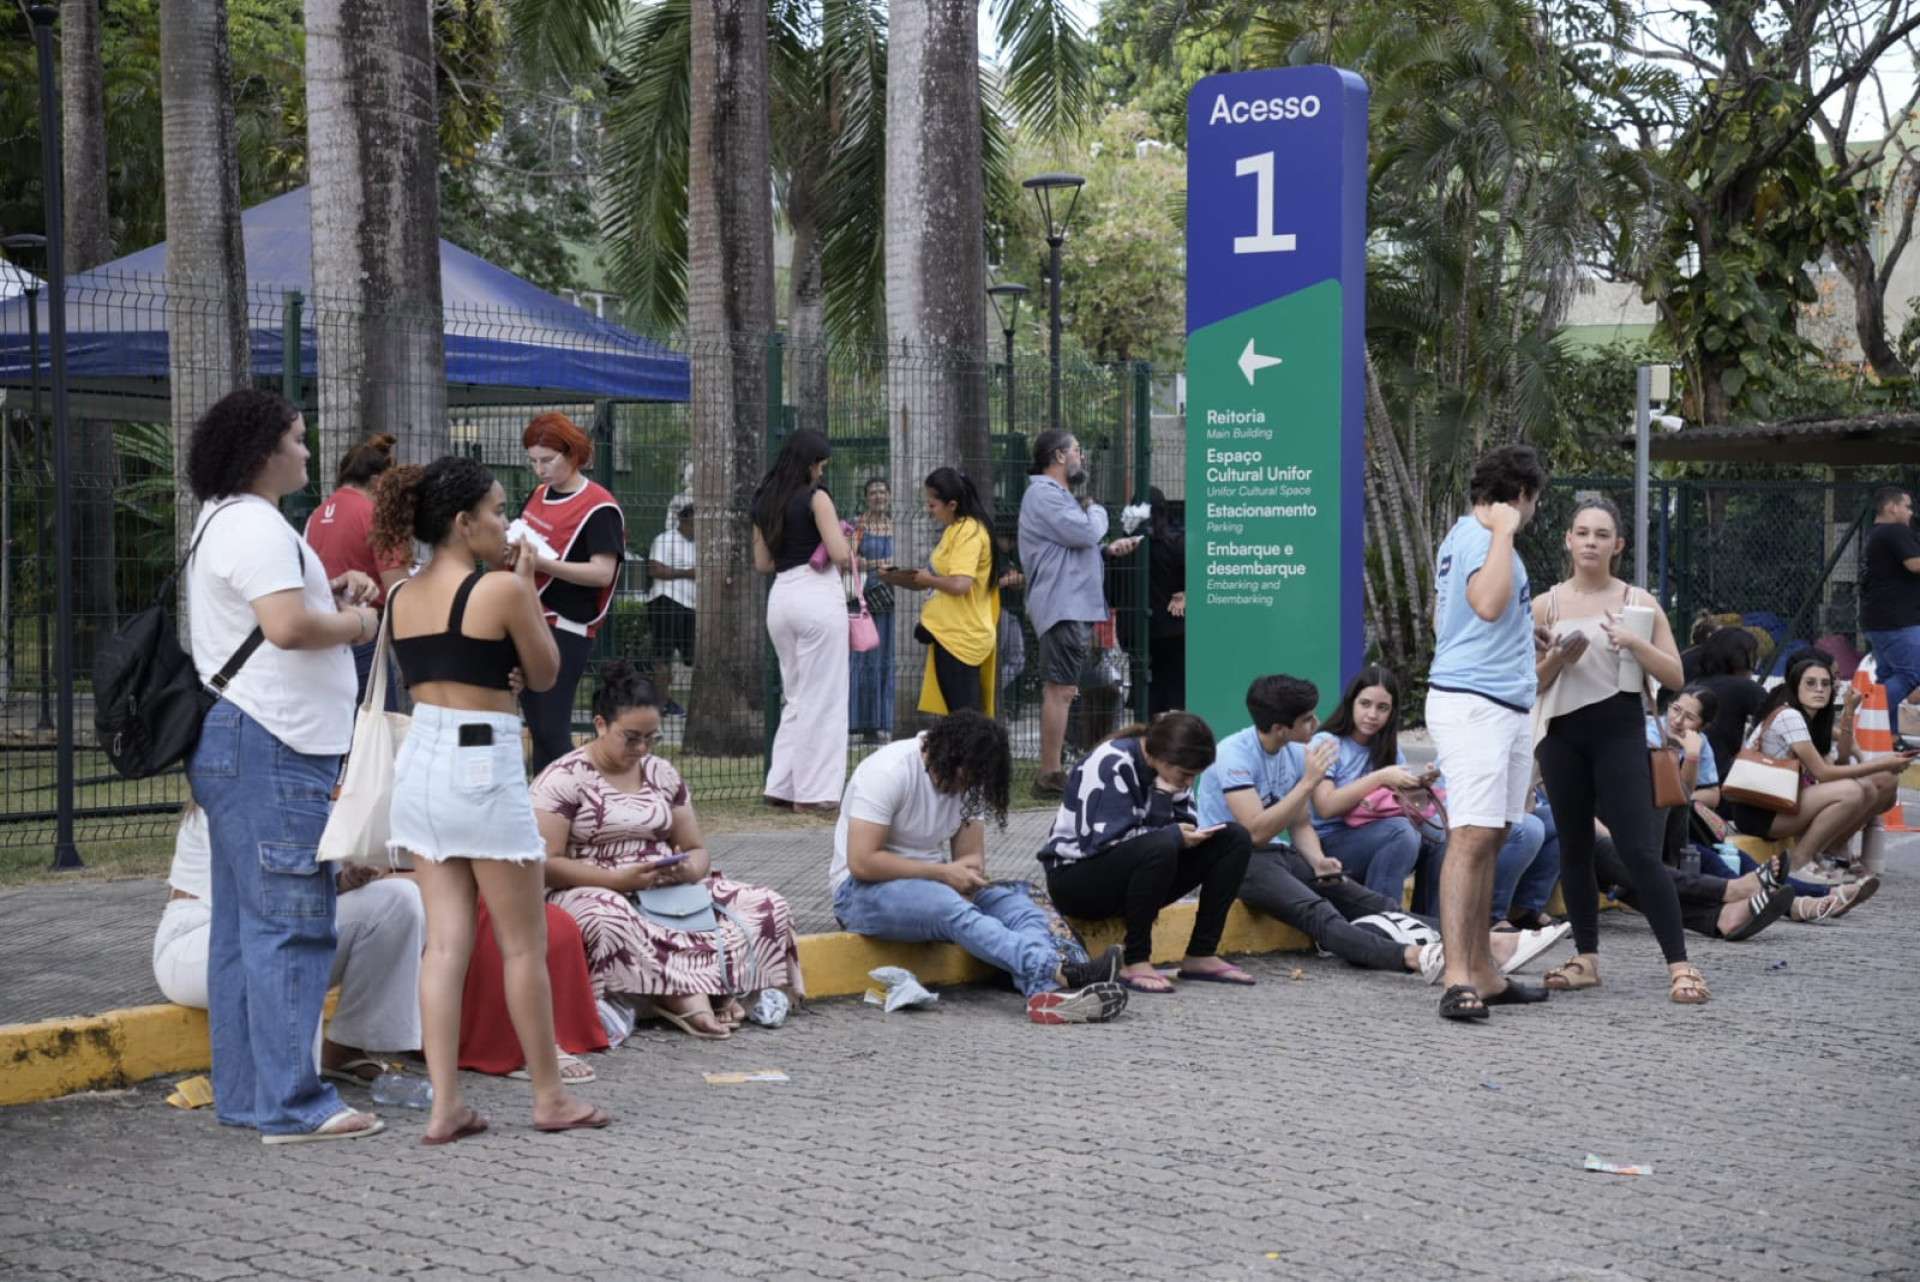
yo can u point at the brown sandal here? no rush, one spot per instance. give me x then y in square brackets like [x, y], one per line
[1686, 987]
[1575, 972]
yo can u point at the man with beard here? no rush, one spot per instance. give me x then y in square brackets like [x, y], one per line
[1060, 552]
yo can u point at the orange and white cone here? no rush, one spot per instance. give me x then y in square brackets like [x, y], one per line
[1873, 735]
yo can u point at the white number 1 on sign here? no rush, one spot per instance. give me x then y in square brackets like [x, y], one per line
[1263, 240]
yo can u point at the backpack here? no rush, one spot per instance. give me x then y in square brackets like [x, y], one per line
[149, 700]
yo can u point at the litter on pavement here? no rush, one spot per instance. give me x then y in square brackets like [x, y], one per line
[741, 1079]
[1618, 1168]
[903, 990]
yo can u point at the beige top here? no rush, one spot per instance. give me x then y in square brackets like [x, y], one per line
[1595, 676]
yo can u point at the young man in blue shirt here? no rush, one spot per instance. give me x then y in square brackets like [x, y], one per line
[1480, 697]
[1262, 778]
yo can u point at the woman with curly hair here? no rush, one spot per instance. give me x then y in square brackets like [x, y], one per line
[265, 764]
[910, 864]
[460, 803]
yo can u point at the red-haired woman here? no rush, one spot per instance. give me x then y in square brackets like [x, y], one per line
[583, 523]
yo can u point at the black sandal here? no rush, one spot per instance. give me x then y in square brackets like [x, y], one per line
[1462, 1001]
[1768, 907]
[1770, 880]
[1517, 994]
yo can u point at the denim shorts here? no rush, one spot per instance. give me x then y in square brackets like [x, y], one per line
[1063, 652]
[454, 802]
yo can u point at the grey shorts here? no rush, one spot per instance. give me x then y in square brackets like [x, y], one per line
[1063, 652]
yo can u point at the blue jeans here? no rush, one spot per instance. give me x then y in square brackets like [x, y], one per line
[1532, 888]
[1896, 662]
[270, 948]
[1512, 866]
[1379, 855]
[999, 925]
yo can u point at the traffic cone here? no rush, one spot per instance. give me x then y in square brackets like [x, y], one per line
[1873, 734]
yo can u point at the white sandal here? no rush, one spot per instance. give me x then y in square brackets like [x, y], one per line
[574, 1071]
[336, 1127]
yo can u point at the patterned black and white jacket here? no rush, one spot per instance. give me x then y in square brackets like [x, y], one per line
[1111, 796]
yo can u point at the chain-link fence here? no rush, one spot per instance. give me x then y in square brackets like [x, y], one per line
[691, 420]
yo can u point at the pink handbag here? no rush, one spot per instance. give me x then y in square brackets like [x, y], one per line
[862, 634]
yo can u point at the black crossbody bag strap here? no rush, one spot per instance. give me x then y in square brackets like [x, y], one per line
[231, 668]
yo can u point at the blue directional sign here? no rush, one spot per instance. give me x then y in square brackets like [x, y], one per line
[1276, 332]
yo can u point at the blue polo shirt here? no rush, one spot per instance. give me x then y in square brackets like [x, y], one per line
[1240, 762]
[1352, 759]
[1471, 656]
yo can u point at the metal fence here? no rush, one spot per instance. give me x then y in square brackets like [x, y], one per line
[649, 453]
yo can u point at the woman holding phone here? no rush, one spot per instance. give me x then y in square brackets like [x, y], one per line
[618, 824]
[1592, 746]
[1127, 842]
[459, 790]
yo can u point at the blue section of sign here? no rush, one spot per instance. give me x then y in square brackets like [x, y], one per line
[1312, 121]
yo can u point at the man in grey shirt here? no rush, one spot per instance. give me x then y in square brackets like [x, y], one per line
[1060, 554]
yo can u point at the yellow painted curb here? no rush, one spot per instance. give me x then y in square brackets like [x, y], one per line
[60, 1056]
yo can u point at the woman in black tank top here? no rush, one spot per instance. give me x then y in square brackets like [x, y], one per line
[460, 802]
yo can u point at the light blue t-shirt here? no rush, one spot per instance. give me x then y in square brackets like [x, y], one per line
[1709, 775]
[1240, 762]
[1352, 760]
[1493, 660]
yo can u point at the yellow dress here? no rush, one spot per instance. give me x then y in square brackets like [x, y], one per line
[967, 625]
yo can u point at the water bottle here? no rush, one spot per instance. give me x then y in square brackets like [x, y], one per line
[399, 1089]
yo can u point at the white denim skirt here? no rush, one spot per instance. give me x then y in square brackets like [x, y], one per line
[463, 800]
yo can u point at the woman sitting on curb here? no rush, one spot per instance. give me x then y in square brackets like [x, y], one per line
[1126, 843]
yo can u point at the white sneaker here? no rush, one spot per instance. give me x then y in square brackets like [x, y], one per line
[1433, 961]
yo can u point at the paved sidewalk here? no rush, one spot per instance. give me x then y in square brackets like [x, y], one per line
[87, 947]
[1325, 1128]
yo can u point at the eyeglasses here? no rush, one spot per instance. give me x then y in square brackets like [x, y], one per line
[634, 739]
[1680, 716]
[1817, 683]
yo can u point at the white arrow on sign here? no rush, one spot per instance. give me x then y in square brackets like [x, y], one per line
[1251, 360]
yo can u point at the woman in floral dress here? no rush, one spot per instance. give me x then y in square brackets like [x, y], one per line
[615, 817]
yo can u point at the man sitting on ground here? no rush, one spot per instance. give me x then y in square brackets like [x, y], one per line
[1262, 779]
[910, 864]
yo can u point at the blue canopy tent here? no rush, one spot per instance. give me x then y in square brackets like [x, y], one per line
[507, 342]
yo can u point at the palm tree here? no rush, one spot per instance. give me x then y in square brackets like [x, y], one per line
[730, 315]
[206, 258]
[373, 156]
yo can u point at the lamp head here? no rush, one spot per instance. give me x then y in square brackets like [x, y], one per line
[1048, 190]
[1008, 313]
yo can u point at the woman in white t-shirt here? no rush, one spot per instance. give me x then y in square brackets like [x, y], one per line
[265, 765]
[1836, 799]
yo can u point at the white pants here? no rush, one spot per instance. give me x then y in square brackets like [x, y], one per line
[807, 619]
[382, 929]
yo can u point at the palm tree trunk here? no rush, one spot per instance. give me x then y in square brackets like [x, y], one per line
[806, 304]
[936, 270]
[373, 150]
[83, 150]
[206, 258]
[730, 315]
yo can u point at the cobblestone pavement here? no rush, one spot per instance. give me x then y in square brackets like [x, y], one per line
[1329, 1127]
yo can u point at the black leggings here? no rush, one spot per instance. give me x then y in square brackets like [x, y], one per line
[1139, 876]
[549, 713]
[1594, 764]
[1702, 896]
[959, 682]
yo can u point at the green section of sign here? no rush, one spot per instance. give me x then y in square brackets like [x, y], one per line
[1263, 502]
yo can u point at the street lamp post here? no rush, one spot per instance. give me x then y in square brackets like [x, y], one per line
[1046, 188]
[1008, 316]
[28, 242]
[43, 16]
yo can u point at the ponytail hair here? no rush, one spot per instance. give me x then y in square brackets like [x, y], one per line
[1180, 739]
[360, 464]
[621, 689]
[951, 485]
[415, 502]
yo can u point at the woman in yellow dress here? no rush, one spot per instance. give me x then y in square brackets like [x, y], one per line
[960, 623]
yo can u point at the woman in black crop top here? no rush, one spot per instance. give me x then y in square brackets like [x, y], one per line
[793, 518]
[460, 802]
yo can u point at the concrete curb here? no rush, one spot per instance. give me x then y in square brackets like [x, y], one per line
[57, 1057]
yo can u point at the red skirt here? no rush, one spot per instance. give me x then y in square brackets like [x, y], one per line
[488, 1043]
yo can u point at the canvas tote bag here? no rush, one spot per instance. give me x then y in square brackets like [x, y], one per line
[362, 816]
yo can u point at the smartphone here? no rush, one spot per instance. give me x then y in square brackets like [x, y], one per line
[678, 857]
[1569, 639]
[1208, 831]
[476, 734]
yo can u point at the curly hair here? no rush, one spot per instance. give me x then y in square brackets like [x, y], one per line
[366, 460]
[968, 754]
[1507, 473]
[233, 441]
[414, 502]
[560, 433]
[620, 689]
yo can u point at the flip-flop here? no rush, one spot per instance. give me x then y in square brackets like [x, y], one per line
[1516, 994]
[329, 1130]
[567, 1059]
[1225, 975]
[1532, 943]
[1767, 910]
[476, 1123]
[593, 1121]
[1453, 1003]
[348, 1073]
[1146, 984]
[685, 1024]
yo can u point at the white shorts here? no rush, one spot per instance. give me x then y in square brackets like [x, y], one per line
[1486, 753]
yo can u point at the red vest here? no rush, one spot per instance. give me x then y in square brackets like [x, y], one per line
[560, 524]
